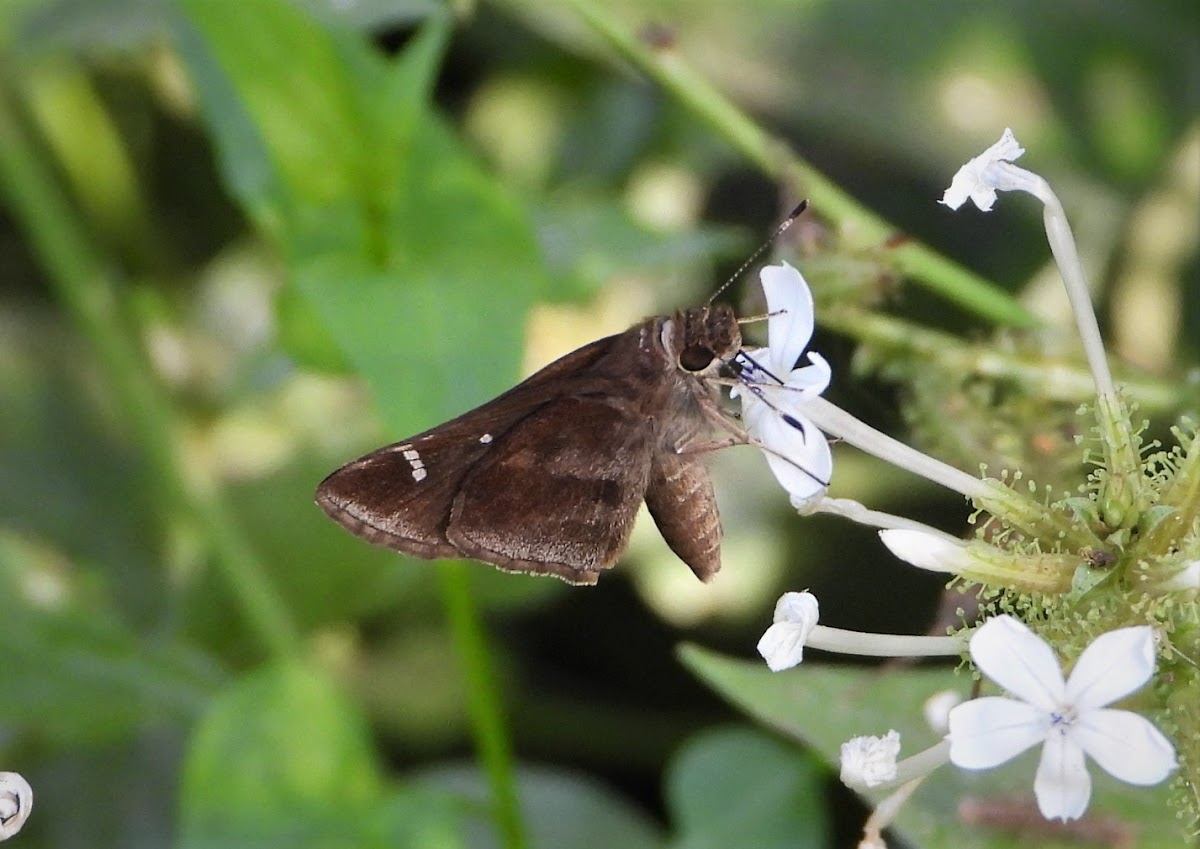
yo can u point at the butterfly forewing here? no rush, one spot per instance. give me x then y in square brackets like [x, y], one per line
[503, 483]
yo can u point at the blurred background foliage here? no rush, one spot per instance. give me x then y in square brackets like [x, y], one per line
[243, 242]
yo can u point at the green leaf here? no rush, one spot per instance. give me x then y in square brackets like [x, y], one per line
[417, 263]
[282, 760]
[250, 173]
[65, 654]
[279, 757]
[562, 810]
[439, 330]
[739, 787]
[825, 706]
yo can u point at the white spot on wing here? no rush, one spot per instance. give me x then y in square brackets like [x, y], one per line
[414, 460]
[485, 439]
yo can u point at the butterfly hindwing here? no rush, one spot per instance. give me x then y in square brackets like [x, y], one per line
[546, 501]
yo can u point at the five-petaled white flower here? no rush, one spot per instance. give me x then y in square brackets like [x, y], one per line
[782, 645]
[774, 389]
[1068, 717]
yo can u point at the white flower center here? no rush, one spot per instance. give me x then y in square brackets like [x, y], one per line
[1063, 719]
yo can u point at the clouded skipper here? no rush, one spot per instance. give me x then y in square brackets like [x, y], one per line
[547, 478]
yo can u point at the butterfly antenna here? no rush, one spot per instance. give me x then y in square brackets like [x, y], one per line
[787, 222]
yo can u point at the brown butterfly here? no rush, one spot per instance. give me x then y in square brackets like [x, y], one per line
[548, 477]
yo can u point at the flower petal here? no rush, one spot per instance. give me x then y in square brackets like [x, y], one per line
[1062, 785]
[1113, 666]
[987, 732]
[925, 550]
[782, 646]
[800, 608]
[762, 396]
[974, 179]
[16, 803]
[1187, 578]
[795, 449]
[810, 380]
[1020, 661]
[937, 707]
[869, 761]
[1125, 745]
[790, 326]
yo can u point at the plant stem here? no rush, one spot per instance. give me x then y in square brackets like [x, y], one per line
[89, 287]
[487, 716]
[1057, 381]
[777, 160]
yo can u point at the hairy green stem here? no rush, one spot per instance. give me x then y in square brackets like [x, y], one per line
[487, 715]
[88, 285]
[1055, 381]
[777, 160]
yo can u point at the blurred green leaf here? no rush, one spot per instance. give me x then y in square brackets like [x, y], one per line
[87, 25]
[563, 810]
[824, 706]
[282, 760]
[441, 331]
[385, 219]
[299, 116]
[589, 240]
[64, 655]
[739, 787]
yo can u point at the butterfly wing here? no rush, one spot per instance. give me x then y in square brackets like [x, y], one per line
[399, 496]
[406, 495]
[559, 492]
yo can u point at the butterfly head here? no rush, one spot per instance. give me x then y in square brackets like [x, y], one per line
[703, 338]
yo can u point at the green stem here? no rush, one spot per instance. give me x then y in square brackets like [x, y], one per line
[488, 723]
[778, 161]
[1054, 381]
[89, 286]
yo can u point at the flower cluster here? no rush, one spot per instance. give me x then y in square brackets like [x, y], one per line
[1108, 580]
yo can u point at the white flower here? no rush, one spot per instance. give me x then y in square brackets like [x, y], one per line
[978, 561]
[937, 707]
[16, 801]
[1068, 717]
[1187, 578]
[782, 646]
[774, 389]
[870, 761]
[796, 614]
[977, 180]
[929, 550]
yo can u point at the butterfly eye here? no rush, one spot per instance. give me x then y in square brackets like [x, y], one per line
[695, 358]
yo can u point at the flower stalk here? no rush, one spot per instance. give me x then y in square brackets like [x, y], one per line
[796, 628]
[837, 422]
